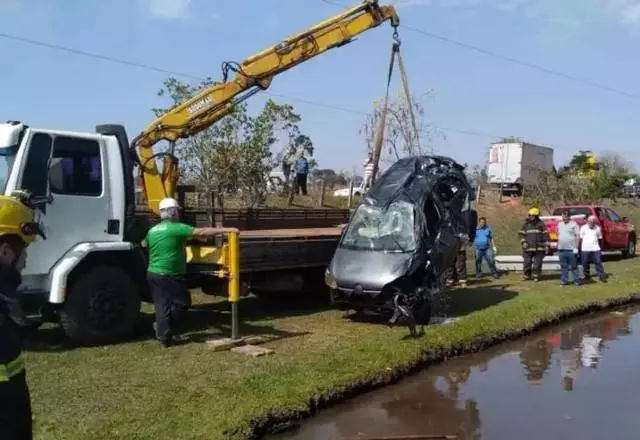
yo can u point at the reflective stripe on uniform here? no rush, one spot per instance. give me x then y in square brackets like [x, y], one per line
[13, 368]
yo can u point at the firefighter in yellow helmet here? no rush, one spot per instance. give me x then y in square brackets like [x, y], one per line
[17, 230]
[535, 244]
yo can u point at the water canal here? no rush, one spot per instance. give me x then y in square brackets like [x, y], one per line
[580, 380]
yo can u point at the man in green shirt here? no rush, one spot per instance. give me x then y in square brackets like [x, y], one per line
[167, 267]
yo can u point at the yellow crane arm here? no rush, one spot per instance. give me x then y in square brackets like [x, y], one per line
[253, 74]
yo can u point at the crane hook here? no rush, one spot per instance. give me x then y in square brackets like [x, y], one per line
[396, 38]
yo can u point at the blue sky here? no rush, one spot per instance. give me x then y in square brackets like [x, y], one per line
[593, 39]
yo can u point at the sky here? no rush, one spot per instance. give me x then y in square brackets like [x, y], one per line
[580, 94]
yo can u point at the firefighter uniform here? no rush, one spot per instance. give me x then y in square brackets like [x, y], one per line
[535, 243]
[17, 231]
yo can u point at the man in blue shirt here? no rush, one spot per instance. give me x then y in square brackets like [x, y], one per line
[485, 248]
[301, 167]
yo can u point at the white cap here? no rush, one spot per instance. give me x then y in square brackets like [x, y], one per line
[168, 203]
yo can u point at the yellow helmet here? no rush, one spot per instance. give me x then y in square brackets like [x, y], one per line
[17, 219]
[534, 211]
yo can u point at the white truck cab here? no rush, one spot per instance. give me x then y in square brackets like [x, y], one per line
[88, 272]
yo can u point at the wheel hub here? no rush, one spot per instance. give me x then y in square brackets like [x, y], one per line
[105, 308]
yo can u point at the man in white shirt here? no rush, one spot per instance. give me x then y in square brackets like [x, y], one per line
[590, 237]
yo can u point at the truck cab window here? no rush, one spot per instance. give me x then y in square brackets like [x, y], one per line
[34, 175]
[76, 168]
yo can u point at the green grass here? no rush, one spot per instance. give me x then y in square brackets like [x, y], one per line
[139, 391]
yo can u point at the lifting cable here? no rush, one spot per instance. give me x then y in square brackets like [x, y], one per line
[379, 134]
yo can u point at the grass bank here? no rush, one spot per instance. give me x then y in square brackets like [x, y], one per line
[139, 391]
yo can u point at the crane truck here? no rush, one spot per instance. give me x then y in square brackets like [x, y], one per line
[90, 273]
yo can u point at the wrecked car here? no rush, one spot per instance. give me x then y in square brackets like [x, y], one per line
[403, 235]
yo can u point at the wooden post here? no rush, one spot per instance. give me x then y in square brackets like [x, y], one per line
[212, 207]
[321, 196]
[478, 189]
[350, 193]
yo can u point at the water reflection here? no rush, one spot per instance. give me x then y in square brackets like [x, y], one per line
[484, 395]
[581, 346]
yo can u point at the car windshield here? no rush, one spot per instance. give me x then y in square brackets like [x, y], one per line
[377, 229]
[573, 211]
[7, 156]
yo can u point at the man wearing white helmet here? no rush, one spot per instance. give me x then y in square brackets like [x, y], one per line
[167, 267]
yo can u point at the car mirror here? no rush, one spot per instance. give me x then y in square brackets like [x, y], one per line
[625, 219]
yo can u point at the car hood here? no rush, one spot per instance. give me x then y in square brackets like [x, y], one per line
[371, 270]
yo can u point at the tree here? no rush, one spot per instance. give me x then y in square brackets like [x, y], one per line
[400, 139]
[235, 154]
[582, 180]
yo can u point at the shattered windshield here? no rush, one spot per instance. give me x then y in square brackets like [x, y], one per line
[7, 156]
[377, 229]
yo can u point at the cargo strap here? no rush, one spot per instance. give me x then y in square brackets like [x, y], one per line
[13, 368]
[382, 119]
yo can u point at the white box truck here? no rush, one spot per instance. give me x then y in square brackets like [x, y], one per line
[514, 164]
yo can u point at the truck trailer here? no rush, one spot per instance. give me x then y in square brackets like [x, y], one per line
[514, 164]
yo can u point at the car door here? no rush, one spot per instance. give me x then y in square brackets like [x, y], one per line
[608, 234]
[619, 229]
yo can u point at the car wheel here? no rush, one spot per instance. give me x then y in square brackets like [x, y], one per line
[630, 250]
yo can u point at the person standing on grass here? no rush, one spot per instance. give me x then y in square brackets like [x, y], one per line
[535, 244]
[458, 270]
[485, 248]
[590, 237]
[301, 167]
[167, 268]
[568, 241]
[17, 232]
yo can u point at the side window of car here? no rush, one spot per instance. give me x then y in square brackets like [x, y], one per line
[613, 216]
[76, 168]
[34, 174]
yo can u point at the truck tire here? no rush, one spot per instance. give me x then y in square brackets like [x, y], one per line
[630, 250]
[103, 306]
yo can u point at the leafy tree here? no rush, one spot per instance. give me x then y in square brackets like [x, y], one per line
[400, 139]
[580, 182]
[235, 154]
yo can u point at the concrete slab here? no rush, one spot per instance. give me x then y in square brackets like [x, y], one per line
[514, 263]
[252, 350]
[550, 263]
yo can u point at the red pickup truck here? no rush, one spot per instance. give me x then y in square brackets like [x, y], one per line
[618, 233]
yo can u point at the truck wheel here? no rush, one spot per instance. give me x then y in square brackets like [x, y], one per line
[102, 307]
[630, 250]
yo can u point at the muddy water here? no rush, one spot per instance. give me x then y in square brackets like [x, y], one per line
[577, 381]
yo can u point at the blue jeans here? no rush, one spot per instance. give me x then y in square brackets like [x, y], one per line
[487, 255]
[595, 258]
[568, 262]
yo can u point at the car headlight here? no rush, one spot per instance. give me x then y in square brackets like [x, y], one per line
[330, 280]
